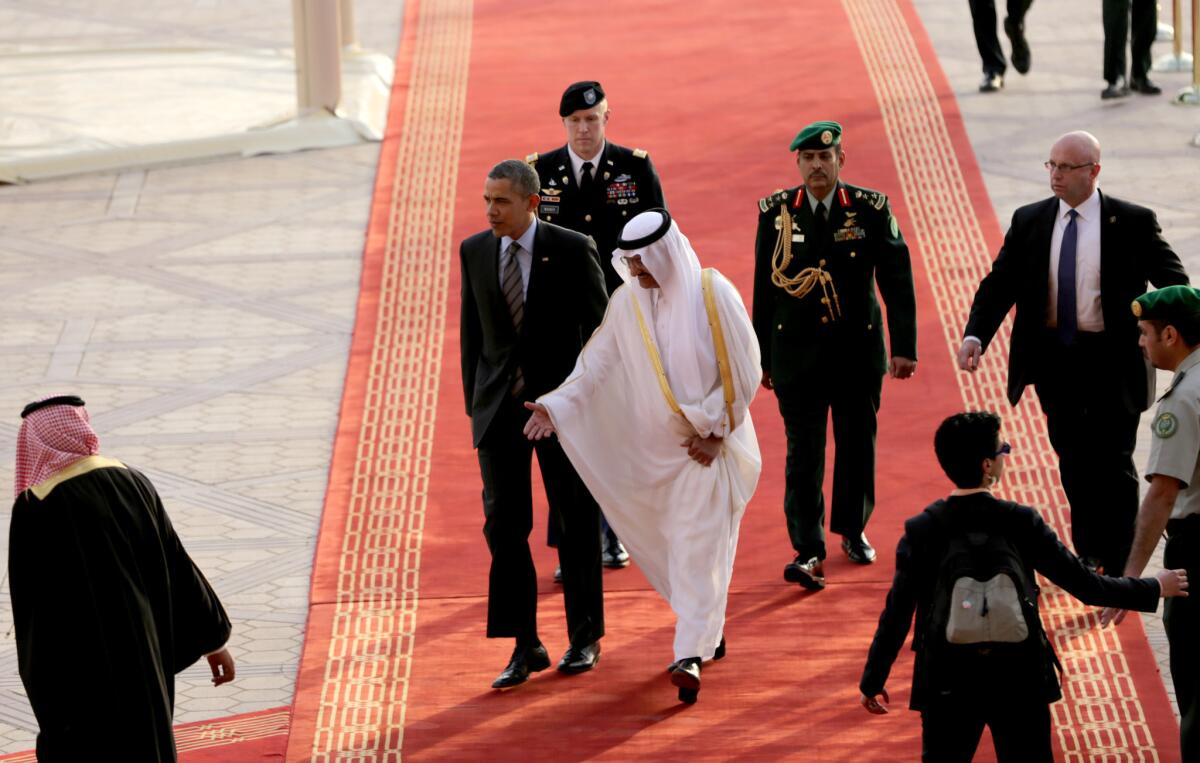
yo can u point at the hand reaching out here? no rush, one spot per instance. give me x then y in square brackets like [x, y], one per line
[539, 425]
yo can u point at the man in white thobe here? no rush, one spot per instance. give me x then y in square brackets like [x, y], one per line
[655, 419]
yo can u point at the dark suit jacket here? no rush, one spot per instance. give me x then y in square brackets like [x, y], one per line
[1132, 253]
[564, 303]
[626, 184]
[1030, 675]
[863, 247]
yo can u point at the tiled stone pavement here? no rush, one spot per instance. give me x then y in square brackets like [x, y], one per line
[1145, 153]
[204, 312]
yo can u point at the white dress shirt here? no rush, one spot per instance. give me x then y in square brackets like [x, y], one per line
[577, 163]
[813, 201]
[1088, 314]
[524, 257]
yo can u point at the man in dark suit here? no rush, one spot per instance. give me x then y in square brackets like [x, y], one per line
[1140, 36]
[593, 186]
[821, 249]
[1072, 264]
[532, 293]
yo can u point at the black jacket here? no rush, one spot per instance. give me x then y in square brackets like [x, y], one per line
[564, 303]
[918, 556]
[1132, 253]
[861, 246]
[626, 184]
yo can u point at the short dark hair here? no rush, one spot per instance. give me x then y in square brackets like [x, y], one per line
[524, 178]
[1189, 331]
[962, 442]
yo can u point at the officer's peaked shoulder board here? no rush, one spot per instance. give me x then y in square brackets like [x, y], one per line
[772, 201]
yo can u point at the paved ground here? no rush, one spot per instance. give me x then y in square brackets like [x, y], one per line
[129, 288]
[204, 312]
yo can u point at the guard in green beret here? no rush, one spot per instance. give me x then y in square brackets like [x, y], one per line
[820, 251]
[1169, 322]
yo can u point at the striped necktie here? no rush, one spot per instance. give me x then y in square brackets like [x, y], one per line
[514, 295]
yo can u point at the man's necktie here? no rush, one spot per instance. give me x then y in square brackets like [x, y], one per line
[514, 295]
[820, 225]
[1067, 324]
[587, 183]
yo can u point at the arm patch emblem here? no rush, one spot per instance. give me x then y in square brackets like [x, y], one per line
[1165, 425]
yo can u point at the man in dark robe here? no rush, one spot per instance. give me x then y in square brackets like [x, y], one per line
[107, 605]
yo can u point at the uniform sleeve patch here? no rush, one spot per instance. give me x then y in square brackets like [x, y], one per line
[1165, 425]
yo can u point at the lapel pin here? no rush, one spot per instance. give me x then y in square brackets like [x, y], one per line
[1112, 219]
[545, 259]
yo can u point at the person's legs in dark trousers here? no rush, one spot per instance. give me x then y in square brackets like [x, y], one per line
[577, 517]
[1020, 729]
[1116, 36]
[1094, 435]
[805, 412]
[983, 17]
[1181, 616]
[854, 406]
[1142, 33]
[505, 458]
[950, 731]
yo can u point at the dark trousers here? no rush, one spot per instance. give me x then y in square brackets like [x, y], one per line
[950, 731]
[1094, 434]
[983, 17]
[806, 408]
[505, 460]
[1181, 616]
[1117, 31]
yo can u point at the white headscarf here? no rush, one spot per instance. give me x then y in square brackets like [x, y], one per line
[688, 357]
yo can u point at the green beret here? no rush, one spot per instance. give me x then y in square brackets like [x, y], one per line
[817, 136]
[1177, 305]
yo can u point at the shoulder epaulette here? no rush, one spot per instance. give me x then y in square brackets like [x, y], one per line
[640, 153]
[874, 198]
[532, 158]
[773, 200]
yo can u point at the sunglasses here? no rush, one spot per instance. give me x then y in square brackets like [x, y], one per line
[1005, 449]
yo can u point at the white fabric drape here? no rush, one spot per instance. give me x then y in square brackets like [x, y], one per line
[678, 519]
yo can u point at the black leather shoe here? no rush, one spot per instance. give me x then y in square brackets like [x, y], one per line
[686, 676]
[1020, 46]
[992, 82]
[859, 549]
[525, 660]
[810, 574]
[614, 556]
[558, 574]
[1144, 86]
[580, 659]
[1118, 89]
[718, 654]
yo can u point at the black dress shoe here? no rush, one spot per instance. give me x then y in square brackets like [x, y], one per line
[1116, 89]
[558, 574]
[718, 654]
[1020, 46]
[686, 676]
[525, 660]
[859, 549]
[809, 574]
[1144, 86]
[614, 556]
[580, 659]
[992, 82]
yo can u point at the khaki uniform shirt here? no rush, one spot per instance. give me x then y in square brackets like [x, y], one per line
[1175, 449]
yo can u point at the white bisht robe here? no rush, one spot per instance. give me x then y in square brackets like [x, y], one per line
[678, 519]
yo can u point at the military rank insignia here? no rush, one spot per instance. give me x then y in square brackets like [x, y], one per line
[1165, 425]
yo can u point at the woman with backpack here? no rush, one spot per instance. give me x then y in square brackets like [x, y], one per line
[966, 567]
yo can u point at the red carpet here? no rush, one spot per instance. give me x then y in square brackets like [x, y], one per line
[396, 658]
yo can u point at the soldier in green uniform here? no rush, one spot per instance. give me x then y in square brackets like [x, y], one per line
[1169, 322]
[821, 248]
[593, 186]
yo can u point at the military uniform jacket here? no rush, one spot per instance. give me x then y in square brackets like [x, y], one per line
[837, 325]
[1175, 449]
[626, 184]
